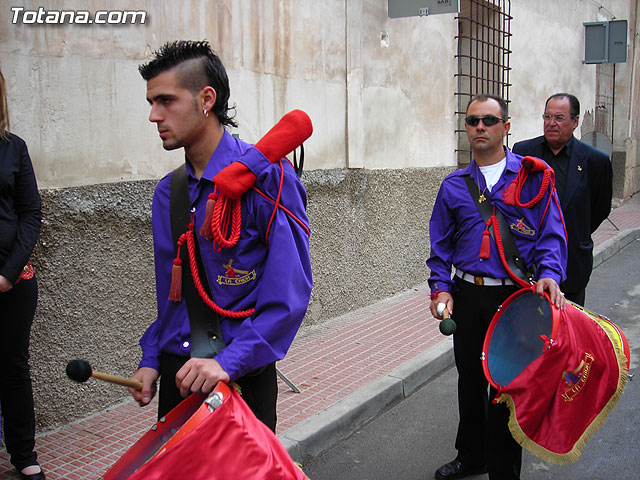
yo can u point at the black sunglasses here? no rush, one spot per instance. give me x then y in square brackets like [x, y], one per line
[488, 120]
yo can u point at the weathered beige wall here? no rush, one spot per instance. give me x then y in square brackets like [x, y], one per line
[77, 98]
[370, 83]
[631, 177]
[548, 46]
[548, 51]
[548, 59]
[408, 95]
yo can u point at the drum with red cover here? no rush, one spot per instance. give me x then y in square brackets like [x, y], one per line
[212, 438]
[560, 372]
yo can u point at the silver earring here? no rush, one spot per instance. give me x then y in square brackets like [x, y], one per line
[206, 114]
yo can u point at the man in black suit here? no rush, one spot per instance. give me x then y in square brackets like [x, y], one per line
[584, 181]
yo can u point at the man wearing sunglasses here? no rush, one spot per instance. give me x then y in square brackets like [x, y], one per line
[584, 180]
[460, 237]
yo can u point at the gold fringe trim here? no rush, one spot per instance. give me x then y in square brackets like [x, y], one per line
[237, 388]
[573, 454]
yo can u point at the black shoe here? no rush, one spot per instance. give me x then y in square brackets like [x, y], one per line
[35, 476]
[457, 469]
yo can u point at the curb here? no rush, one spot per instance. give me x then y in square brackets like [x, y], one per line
[612, 246]
[336, 423]
[329, 427]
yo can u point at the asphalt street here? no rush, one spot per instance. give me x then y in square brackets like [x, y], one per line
[413, 438]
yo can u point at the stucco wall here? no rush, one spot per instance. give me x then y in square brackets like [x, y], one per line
[77, 98]
[94, 262]
[96, 293]
[548, 46]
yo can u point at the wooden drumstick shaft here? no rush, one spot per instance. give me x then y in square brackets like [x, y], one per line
[447, 325]
[115, 379]
[443, 310]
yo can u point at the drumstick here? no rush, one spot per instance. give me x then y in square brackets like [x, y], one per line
[447, 325]
[80, 371]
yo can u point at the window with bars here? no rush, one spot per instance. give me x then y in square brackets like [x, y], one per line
[484, 39]
[605, 96]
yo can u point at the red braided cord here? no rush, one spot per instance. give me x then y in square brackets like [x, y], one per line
[220, 222]
[548, 176]
[521, 179]
[306, 229]
[276, 204]
[181, 240]
[544, 213]
[201, 291]
[564, 227]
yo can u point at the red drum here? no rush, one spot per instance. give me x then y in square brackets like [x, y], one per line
[208, 439]
[560, 372]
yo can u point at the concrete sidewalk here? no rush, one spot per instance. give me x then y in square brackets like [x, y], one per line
[348, 370]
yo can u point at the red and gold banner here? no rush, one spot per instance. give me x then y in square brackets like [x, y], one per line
[559, 371]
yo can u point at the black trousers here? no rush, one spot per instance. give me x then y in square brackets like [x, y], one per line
[576, 297]
[18, 307]
[259, 390]
[483, 434]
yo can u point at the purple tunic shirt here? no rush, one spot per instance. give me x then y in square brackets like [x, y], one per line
[275, 280]
[456, 228]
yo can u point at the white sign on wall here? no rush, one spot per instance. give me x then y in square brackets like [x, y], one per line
[420, 8]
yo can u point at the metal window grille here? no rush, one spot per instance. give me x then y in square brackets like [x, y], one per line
[484, 40]
[605, 95]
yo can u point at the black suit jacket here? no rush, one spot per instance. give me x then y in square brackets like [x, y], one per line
[586, 203]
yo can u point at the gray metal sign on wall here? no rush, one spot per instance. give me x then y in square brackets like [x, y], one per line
[420, 8]
[605, 42]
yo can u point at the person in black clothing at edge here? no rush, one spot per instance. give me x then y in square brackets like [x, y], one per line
[20, 220]
[584, 181]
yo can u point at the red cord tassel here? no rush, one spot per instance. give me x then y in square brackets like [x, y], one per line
[205, 230]
[175, 290]
[485, 246]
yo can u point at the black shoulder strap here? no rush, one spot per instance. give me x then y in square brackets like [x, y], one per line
[206, 335]
[511, 254]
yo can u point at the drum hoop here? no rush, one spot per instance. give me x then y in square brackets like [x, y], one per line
[494, 321]
[146, 447]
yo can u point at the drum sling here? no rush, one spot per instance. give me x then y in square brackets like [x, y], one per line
[206, 334]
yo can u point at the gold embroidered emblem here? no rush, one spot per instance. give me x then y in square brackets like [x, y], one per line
[234, 276]
[577, 378]
[522, 228]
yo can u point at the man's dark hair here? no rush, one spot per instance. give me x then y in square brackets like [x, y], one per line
[197, 67]
[504, 109]
[574, 103]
